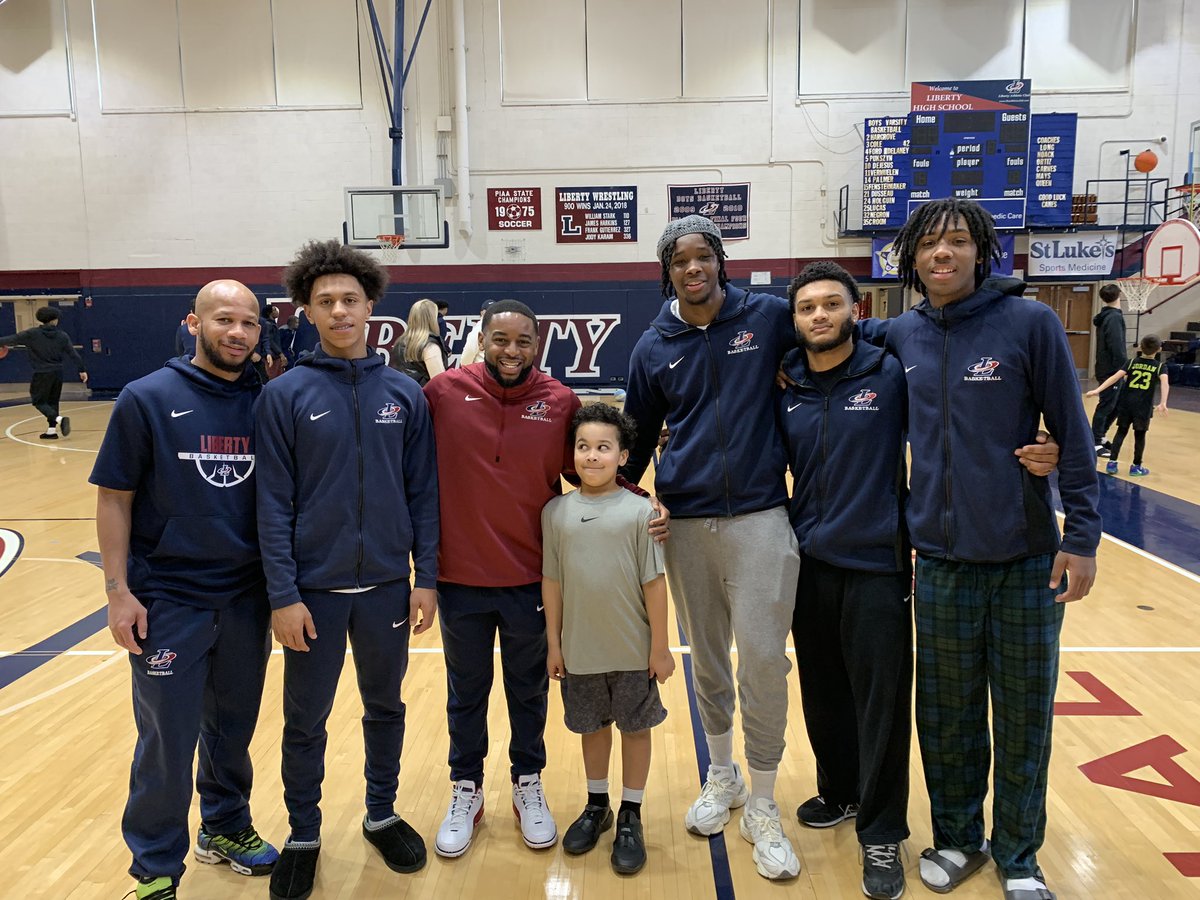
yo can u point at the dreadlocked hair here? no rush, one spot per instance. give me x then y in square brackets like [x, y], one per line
[668, 289]
[938, 217]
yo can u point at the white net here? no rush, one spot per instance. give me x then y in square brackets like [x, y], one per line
[1136, 293]
[389, 246]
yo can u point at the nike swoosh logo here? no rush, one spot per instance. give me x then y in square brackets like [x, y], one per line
[793, 406]
[909, 369]
[401, 622]
[586, 519]
[312, 417]
[674, 364]
[176, 415]
[469, 398]
[540, 607]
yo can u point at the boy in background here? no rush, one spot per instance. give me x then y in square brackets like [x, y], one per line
[607, 643]
[48, 345]
[1135, 403]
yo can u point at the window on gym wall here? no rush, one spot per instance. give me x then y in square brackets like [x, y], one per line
[226, 54]
[35, 70]
[881, 46]
[632, 50]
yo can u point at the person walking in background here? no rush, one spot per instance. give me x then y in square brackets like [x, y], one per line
[1135, 403]
[1110, 353]
[48, 347]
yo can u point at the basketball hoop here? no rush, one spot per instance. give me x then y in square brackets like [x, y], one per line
[1136, 292]
[390, 244]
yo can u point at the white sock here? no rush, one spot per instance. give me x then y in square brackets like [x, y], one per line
[720, 749]
[933, 874]
[1024, 884]
[597, 785]
[51, 430]
[762, 783]
[629, 794]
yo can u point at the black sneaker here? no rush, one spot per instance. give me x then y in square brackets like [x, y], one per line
[64, 425]
[883, 873]
[294, 873]
[402, 849]
[49, 436]
[629, 850]
[1104, 452]
[586, 830]
[816, 813]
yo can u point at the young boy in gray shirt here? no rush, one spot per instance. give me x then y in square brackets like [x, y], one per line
[605, 601]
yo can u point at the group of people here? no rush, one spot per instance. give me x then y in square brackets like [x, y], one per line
[228, 509]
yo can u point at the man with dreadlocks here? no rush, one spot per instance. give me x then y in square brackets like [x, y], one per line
[706, 366]
[993, 577]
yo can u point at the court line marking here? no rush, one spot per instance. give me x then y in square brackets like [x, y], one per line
[47, 445]
[1145, 554]
[59, 688]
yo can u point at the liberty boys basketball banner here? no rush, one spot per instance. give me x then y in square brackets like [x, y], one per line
[728, 205]
[585, 215]
[514, 209]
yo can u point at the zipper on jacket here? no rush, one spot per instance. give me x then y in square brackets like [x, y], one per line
[720, 428]
[359, 446]
[946, 480]
[502, 417]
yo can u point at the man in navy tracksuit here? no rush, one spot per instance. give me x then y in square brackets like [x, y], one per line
[983, 365]
[347, 491]
[843, 418]
[705, 366]
[175, 518]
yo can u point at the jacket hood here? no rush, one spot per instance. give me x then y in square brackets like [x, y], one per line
[1104, 314]
[668, 324]
[342, 369]
[210, 383]
[863, 358]
[988, 292]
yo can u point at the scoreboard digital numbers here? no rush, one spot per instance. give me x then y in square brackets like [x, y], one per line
[965, 139]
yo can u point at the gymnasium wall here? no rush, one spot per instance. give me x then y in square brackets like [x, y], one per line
[208, 137]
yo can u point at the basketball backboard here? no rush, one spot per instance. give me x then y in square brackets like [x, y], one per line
[418, 212]
[1171, 255]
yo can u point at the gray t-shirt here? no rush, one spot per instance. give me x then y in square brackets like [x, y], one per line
[599, 550]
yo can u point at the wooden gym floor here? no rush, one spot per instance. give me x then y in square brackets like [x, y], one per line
[1125, 780]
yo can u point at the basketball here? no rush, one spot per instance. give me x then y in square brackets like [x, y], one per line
[3, 352]
[1145, 161]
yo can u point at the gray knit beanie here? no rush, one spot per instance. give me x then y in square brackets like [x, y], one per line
[686, 225]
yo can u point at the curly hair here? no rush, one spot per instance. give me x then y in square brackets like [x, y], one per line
[718, 248]
[824, 270]
[317, 258]
[938, 217]
[603, 414]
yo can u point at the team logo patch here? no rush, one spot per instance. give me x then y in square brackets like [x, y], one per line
[223, 460]
[984, 370]
[160, 662]
[742, 342]
[1014, 87]
[863, 400]
[389, 414]
[538, 412]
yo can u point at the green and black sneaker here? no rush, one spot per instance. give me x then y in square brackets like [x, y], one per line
[245, 851]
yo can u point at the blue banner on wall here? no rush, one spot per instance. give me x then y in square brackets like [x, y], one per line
[728, 205]
[1052, 175]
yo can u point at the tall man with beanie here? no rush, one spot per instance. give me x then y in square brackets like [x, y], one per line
[1110, 356]
[48, 346]
[704, 366]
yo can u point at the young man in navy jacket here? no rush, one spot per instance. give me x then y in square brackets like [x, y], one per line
[186, 597]
[983, 365]
[48, 347]
[347, 491]
[705, 366]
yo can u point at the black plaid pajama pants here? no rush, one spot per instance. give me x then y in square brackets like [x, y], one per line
[987, 627]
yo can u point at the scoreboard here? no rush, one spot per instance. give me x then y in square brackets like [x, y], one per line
[974, 140]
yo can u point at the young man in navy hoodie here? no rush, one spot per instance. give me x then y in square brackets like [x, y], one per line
[347, 492]
[705, 366]
[186, 597]
[48, 347]
[983, 365]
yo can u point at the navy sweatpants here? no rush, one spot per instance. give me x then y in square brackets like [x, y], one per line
[377, 624]
[199, 677]
[471, 617]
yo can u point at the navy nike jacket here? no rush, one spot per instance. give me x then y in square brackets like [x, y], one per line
[846, 452]
[183, 441]
[981, 374]
[347, 478]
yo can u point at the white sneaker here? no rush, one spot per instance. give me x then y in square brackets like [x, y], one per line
[529, 803]
[466, 809]
[773, 854]
[724, 789]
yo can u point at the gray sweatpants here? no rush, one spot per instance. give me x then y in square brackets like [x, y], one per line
[735, 579]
